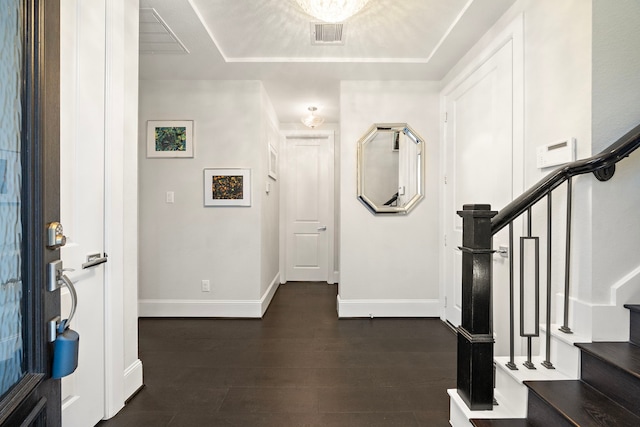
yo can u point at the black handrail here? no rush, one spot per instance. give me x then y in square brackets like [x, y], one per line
[600, 162]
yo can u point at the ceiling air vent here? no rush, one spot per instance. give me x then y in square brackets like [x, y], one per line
[156, 36]
[327, 34]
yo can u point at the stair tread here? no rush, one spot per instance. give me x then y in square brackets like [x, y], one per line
[582, 404]
[623, 355]
[500, 422]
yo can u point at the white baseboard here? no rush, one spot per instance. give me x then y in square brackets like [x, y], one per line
[268, 295]
[336, 277]
[208, 308]
[133, 379]
[389, 308]
[199, 308]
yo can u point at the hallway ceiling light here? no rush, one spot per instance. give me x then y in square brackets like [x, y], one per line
[332, 10]
[311, 120]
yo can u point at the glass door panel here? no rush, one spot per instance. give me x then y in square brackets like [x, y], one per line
[11, 286]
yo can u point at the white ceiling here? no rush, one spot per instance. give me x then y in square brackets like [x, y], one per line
[270, 40]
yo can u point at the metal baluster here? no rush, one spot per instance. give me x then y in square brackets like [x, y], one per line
[567, 263]
[547, 362]
[511, 364]
[528, 364]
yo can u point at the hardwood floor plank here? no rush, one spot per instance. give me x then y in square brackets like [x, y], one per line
[298, 366]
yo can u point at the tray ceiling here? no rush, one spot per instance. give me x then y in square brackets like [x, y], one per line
[271, 40]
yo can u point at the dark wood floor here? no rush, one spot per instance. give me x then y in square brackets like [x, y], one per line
[298, 366]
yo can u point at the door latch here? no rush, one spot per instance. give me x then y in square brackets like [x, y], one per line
[503, 251]
[55, 275]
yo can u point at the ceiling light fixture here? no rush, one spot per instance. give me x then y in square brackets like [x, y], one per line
[332, 10]
[311, 120]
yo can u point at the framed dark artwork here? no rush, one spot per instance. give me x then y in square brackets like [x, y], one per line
[170, 138]
[227, 187]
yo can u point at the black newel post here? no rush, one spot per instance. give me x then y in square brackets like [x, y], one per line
[475, 335]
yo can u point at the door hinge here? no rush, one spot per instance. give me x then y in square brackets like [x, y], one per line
[445, 302]
[445, 179]
[446, 117]
[445, 240]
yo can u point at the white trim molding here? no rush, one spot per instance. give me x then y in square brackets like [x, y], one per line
[269, 294]
[209, 308]
[199, 308]
[332, 221]
[133, 378]
[388, 308]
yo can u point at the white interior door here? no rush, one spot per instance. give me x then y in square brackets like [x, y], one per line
[309, 208]
[82, 201]
[479, 160]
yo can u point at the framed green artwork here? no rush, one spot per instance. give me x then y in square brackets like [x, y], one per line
[227, 187]
[170, 138]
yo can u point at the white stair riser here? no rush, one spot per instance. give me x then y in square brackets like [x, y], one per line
[514, 391]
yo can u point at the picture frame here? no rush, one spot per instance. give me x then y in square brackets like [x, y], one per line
[170, 139]
[227, 187]
[273, 163]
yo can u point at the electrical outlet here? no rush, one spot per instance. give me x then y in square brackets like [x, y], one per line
[169, 197]
[206, 286]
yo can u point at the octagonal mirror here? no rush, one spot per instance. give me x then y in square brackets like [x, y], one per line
[390, 168]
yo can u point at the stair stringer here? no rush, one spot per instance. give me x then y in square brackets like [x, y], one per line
[611, 321]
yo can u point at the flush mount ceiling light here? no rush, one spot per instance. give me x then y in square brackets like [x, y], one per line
[332, 10]
[311, 120]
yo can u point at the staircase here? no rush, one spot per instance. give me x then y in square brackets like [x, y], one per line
[607, 393]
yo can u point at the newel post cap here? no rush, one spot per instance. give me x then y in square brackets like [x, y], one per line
[477, 210]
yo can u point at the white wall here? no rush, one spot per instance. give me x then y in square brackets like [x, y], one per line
[558, 106]
[184, 243]
[616, 109]
[616, 91]
[388, 264]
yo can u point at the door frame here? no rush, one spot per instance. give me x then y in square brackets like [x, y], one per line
[284, 171]
[35, 399]
[123, 369]
[482, 52]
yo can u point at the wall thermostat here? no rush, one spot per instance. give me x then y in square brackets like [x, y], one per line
[555, 154]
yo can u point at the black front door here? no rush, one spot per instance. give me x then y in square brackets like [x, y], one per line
[29, 201]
